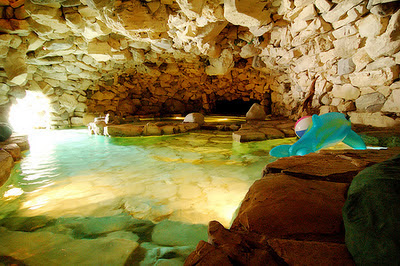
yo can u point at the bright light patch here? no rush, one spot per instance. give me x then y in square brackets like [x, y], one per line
[14, 192]
[30, 112]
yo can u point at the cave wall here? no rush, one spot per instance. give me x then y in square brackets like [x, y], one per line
[92, 57]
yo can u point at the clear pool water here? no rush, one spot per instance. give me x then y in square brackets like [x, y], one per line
[69, 177]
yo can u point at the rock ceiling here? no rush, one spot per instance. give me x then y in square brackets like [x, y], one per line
[331, 51]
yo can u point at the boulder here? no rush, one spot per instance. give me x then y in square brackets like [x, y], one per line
[371, 102]
[126, 130]
[5, 132]
[256, 112]
[194, 118]
[289, 206]
[371, 216]
[392, 104]
[151, 129]
[14, 150]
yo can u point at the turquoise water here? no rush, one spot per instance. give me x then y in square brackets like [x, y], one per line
[69, 179]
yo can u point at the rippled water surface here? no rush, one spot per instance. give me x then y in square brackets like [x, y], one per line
[189, 178]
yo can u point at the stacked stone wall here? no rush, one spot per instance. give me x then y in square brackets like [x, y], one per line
[158, 57]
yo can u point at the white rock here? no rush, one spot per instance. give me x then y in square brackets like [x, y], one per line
[100, 51]
[371, 102]
[68, 101]
[323, 5]
[221, 65]
[345, 31]
[381, 62]
[372, 119]
[384, 76]
[249, 50]
[371, 26]
[346, 66]
[361, 59]
[339, 10]
[346, 91]
[246, 13]
[347, 47]
[392, 104]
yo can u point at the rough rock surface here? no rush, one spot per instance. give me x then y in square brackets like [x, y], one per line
[293, 215]
[157, 57]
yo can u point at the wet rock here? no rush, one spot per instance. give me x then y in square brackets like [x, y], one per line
[247, 135]
[126, 130]
[6, 164]
[289, 206]
[151, 129]
[311, 252]
[164, 255]
[178, 234]
[13, 149]
[45, 247]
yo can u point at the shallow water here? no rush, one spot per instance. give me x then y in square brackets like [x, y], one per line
[188, 178]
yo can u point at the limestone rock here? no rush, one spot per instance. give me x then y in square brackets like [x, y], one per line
[371, 102]
[6, 163]
[392, 104]
[346, 66]
[347, 92]
[68, 101]
[221, 65]
[379, 77]
[246, 13]
[194, 118]
[373, 119]
[256, 112]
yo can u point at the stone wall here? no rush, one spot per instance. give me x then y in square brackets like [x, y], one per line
[163, 56]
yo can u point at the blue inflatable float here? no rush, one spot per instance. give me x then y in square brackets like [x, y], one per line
[325, 130]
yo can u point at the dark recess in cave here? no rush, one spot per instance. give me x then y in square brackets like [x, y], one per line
[234, 107]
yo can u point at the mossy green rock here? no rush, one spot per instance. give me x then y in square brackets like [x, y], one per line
[371, 215]
[5, 132]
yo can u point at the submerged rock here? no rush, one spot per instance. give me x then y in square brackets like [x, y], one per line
[178, 234]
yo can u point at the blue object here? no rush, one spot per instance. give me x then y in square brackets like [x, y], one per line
[325, 130]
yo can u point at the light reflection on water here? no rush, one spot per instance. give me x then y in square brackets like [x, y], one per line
[194, 177]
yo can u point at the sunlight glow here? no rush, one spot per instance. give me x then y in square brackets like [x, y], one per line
[13, 192]
[30, 112]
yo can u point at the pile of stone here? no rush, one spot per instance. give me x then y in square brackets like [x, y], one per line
[131, 57]
[293, 215]
[193, 121]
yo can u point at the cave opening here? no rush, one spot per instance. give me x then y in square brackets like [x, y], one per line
[237, 107]
[30, 112]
